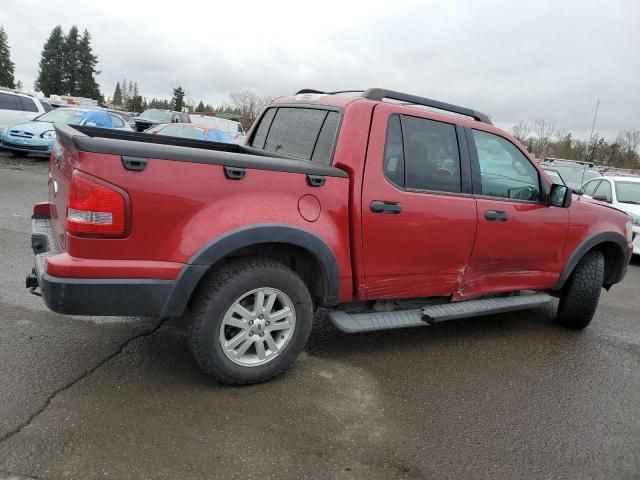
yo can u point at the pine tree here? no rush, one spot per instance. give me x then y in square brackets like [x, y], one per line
[19, 85]
[71, 63]
[6, 65]
[87, 85]
[200, 107]
[178, 99]
[123, 87]
[117, 96]
[50, 77]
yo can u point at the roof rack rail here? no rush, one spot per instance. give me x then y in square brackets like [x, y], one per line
[381, 93]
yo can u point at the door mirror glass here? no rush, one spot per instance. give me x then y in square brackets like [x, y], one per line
[602, 198]
[560, 196]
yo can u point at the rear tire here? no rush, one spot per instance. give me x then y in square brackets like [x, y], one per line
[248, 321]
[19, 153]
[580, 297]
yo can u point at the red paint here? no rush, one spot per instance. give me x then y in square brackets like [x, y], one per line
[440, 245]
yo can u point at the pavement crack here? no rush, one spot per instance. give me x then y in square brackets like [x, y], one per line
[82, 376]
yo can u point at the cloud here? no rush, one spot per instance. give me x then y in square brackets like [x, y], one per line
[513, 60]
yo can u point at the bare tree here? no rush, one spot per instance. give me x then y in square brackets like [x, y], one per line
[543, 131]
[629, 140]
[248, 105]
[521, 131]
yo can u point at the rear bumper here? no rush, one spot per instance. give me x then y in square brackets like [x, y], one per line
[636, 240]
[104, 296]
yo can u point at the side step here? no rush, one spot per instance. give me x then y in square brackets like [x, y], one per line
[370, 321]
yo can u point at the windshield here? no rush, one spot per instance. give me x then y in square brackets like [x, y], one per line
[156, 115]
[628, 192]
[62, 115]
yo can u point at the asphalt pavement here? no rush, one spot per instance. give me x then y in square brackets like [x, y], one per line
[509, 396]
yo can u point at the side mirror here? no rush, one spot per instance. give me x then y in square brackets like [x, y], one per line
[601, 198]
[559, 196]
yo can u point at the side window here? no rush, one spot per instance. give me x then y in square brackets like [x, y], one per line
[185, 118]
[504, 170]
[116, 121]
[28, 105]
[431, 158]
[9, 102]
[393, 163]
[604, 190]
[326, 138]
[590, 187]
[46, 106]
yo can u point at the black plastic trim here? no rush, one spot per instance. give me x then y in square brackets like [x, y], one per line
[257, 234]
[136, 164]
[132, 146]
[105, 297]
[234, 173]
[316, 180]
[589, 243]
[465, 160]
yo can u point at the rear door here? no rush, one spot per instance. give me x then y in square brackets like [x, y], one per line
[418, 214]
[520, 239]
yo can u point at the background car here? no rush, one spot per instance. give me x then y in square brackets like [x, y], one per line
[38, 136]
[17, 106]
[574, 173]
[622, 193]
[152, 117]
[232, 127]
[189, 130]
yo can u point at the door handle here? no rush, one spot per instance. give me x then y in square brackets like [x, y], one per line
[380, 206]
[496, 216]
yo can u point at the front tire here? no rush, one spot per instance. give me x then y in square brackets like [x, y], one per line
[248, 321]
[19, 153]
[580, 297]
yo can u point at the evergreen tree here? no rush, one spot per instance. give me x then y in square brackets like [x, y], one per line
[50, 77]
[117, 96]
[200, 107]
[125, 96]
[6, 65]
[19, 85]
[71, 63]
[87, 85]
[178, 99]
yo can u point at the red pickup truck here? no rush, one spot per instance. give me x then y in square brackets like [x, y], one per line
[390, 210]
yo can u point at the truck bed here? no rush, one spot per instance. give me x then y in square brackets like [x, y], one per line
[144, 145]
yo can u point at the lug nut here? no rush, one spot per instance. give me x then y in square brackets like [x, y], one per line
[251, 334]
[262, 334]
[267, 323]
[261, 317]
[250, 322]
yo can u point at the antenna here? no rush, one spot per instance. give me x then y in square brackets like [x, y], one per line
[593, 125]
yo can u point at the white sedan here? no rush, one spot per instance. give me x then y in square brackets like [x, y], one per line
[622, 193]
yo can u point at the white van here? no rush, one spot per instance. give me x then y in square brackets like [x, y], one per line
[233, 128]
[17, 106]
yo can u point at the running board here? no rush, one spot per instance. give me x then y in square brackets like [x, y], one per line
[370, 321]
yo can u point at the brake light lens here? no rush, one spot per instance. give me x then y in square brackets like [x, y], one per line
[96, 208]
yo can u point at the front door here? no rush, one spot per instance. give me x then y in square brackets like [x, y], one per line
[418, 214]
[520, 239]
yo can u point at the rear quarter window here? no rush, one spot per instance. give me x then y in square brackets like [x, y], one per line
[305, 133]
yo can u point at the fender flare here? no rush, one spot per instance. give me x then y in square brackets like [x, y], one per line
[222, 246]
[588, 244]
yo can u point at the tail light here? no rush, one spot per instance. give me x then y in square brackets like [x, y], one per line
[96, 208]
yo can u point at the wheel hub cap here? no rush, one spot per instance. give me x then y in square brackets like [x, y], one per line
[257, 327]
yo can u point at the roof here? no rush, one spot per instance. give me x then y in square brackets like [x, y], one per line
[624, 179]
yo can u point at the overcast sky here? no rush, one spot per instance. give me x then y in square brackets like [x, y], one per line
[514, 60]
